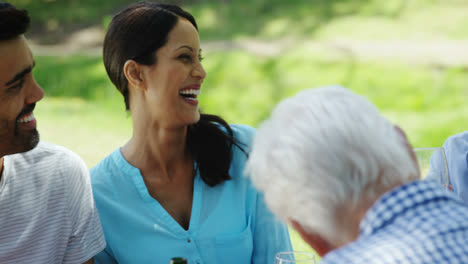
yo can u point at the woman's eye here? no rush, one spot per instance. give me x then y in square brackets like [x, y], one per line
[186, 57]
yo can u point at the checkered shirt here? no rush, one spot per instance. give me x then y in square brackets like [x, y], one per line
[419, 222]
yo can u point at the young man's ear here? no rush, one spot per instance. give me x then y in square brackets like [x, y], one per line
[132, 71]
[319, 244]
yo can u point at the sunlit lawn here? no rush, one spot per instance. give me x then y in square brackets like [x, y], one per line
[90, 130]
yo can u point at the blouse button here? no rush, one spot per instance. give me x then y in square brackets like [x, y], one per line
[188, 240]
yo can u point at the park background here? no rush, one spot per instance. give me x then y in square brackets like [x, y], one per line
[409, 57]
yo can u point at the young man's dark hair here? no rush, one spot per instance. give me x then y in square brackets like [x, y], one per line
[14, 22]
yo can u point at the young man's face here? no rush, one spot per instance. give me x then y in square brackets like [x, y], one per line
[18, 94]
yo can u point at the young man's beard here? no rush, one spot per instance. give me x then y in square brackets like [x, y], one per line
[14, 141]
[26, 140]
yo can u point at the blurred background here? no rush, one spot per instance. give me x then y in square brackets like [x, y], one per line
[409, 57]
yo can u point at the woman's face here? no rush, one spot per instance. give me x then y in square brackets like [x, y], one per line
[174, 81]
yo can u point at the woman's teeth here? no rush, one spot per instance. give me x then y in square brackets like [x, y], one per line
[190, 92]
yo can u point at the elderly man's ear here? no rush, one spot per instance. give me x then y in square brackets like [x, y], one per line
[407, 144]
[319, 244]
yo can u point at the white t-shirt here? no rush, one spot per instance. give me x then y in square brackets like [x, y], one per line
[47, 211]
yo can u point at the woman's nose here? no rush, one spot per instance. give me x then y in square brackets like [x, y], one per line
[199, 71]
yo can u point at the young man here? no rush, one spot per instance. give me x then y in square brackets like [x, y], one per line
[47, 212]
[347, 180]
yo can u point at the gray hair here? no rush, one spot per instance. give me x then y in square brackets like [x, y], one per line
[323, 149]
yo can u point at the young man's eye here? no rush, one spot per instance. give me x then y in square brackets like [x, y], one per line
[16, 87]
[201, 58]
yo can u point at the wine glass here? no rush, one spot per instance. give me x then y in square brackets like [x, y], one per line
[433, 165]
[291, 257]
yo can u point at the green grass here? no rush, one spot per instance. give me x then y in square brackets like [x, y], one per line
[54, 13]
[90, 129]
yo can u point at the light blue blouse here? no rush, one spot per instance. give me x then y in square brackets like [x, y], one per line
[230, 222]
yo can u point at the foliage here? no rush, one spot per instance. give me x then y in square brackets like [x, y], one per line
[319, 19]
[54, 13]
[333, 19]
[78, 76]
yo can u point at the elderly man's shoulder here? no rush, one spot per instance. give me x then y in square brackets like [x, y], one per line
[358, 253]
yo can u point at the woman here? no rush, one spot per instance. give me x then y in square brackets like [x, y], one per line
[176, 188]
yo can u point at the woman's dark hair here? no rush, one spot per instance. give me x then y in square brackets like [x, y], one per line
[136, 33]
[13, 22]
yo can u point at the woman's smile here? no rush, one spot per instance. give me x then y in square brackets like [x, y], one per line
[190, 93]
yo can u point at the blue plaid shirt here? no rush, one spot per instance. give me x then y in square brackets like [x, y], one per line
[419, 222]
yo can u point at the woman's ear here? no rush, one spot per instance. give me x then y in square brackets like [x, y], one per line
[132, 71]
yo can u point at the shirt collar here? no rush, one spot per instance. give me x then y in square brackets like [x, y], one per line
[398, 201]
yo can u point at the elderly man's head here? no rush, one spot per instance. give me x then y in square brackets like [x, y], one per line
[323, 157]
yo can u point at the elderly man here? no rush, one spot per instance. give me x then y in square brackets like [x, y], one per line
[47, 212]
[347, 180]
